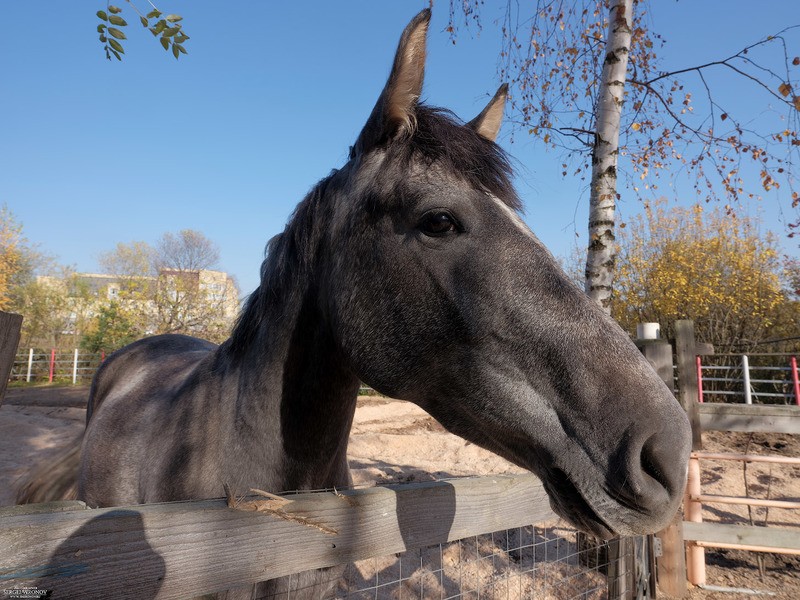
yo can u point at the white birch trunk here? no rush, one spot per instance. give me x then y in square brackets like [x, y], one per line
[601, 252]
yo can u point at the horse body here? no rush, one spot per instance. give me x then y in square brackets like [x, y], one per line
[409, 269]
[171, 418]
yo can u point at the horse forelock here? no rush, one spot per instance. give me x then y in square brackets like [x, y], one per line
[440, 138]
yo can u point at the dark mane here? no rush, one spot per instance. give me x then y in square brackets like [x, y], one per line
[439, 137]
[289, 256]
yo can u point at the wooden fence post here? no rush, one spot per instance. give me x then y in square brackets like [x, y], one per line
[671, 565]
[686, 351]
[10, 326]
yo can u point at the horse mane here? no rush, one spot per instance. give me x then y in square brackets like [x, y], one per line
[288, 261]
[438, 137]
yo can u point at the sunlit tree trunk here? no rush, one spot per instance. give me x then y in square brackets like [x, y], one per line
[602, 201]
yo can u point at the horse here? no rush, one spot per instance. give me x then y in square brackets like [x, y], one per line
[410, 269]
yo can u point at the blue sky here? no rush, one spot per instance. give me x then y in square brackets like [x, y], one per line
[228, 139]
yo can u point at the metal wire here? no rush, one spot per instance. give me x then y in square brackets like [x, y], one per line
[528, 562]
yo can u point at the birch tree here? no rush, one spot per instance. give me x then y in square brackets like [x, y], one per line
[565, 63]
[601, 253]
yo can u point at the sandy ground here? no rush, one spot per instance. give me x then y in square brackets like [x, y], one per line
[394, 441]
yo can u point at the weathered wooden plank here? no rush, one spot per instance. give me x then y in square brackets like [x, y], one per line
[10, 325]
[672, 563]
[750, 417]
[184, 549]
[685, 353]
[659, 354]
[775, 539]
[44, 507]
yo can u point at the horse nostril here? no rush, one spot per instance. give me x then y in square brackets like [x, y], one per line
[649, 462]
[660, 461]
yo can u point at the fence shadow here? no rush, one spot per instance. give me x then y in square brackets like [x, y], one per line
[66, 573]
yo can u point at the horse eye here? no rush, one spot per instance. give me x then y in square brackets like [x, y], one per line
[436, 223]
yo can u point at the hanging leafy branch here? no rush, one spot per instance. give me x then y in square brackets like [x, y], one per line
[168, 30]
[673, 121]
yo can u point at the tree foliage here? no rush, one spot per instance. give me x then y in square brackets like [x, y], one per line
[111, 329]
[167, 288]
[188, 250]
[674, 121]
[168, 29]
[18, 259]
[553, 62]
[692, 263]
[10, 254]
[44, 304]
[130, 261]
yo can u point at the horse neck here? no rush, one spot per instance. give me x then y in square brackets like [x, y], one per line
[297, 394]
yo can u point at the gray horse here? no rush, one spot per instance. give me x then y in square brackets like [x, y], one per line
[409, 269]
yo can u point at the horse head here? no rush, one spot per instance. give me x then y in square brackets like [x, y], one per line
[438, 293]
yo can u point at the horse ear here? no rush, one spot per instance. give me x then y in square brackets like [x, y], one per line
[487, 124]
[394, 111]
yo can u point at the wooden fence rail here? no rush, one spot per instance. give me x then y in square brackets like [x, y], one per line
[185, 549]
[699, 535]
[742, 537]
[749, 417]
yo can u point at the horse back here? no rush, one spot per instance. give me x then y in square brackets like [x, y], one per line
[143, 363]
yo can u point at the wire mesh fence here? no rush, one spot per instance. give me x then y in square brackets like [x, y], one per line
[543, 562]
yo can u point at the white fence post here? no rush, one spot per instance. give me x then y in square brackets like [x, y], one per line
[75, 368]
[30, 364]
[748, 398]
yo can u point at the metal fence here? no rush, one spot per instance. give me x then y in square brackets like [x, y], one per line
[765, 378]
[40, 366]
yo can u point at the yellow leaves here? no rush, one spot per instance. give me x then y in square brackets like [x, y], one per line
[10, 253]
[636, 126]
[784, 89]
[679, 262]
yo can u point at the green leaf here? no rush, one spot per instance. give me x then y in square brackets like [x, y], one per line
[175, 50]
[114, 32]
[143, 21]
[174, 18]
[171, 31]
[115, 53]
[114, 9]
[102, 15]
[117, 20]
[165, 42]
[180, 38]
[153, 31]
[116, 46]
[160, 26]
[179, 47]
[154, 14]
[103, 38]
[101, 28]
